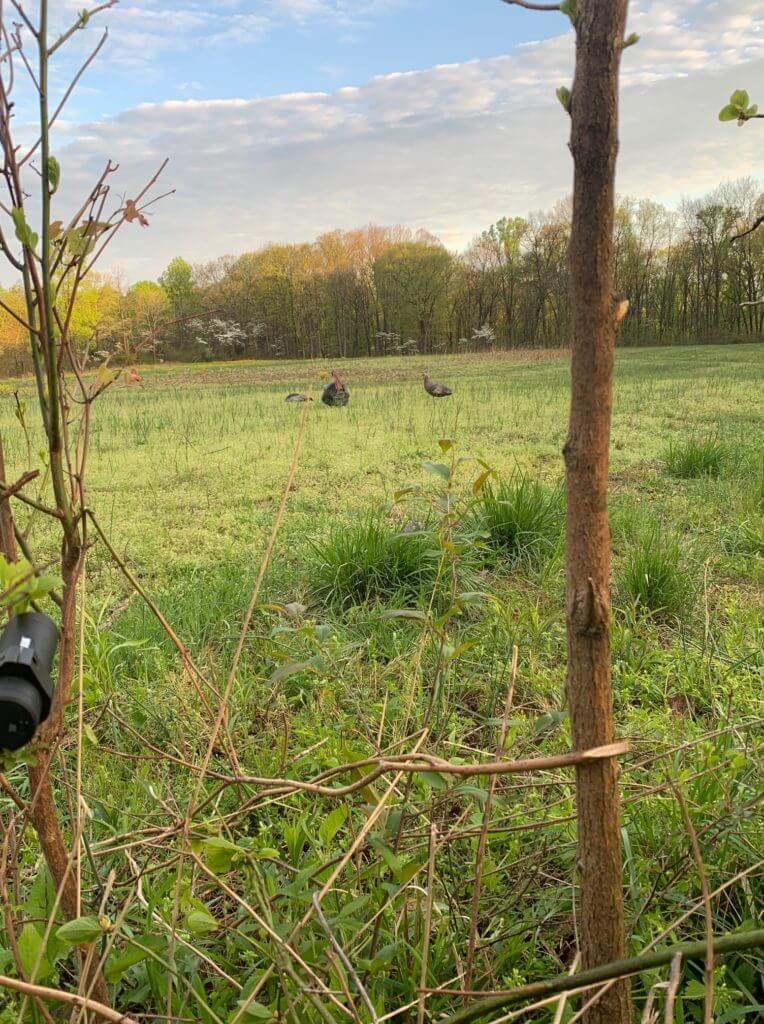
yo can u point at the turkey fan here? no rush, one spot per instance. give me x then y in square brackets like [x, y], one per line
[335, 394]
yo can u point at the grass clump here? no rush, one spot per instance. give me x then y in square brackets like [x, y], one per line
[655, 579]
[367, 562]
[521, 518]
[696, 457]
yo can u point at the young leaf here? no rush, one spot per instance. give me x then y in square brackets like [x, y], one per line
[201, 922]
[331, 825]
[563, 95]
[133, 213]
[219, 854]
[438, 468]
[105, 377]
[445, 444]
[54, 174]
[728, 113]
[480, 483]
[80, 932]
[29, 943]
[631, 40]
[24, 233]
[140, 947]
[739, 99]
[256, 1011]
[404, 613]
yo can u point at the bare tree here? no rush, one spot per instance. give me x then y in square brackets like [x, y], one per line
[593, 107]
[52, 263]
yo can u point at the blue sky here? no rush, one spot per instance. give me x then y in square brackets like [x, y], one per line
[283, 119]
[255, 48]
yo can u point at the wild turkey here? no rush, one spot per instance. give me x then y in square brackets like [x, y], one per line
[295, 396]
[436, 390]
[335, 394]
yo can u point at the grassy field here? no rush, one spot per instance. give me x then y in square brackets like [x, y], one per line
[187, 471]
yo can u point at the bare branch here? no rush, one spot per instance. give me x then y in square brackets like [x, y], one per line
[529, 6]
[749, 231]
[65, 98]
[72, 999]
[80, 24]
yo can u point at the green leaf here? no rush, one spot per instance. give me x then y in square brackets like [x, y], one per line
[481, 481]
[752, 110]
[90, 735]
[563, 95]
[445, 444]
[404, 613]
[139, 949]
[728, 113]
[631, 40]
[570, 7]
[331, 825]
[219, 854]
[433, 780]
[201, 922]
[81, 931]
[739, 99]
[438, 468]
[24, 233]
[694, 989]
[292, 668]
[739, 1012]
[387, 854]
[54, 174]
[408, 870]
[256, 1011]
[30, 943]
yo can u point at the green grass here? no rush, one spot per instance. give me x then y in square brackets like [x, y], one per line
[186, 474]
[521, 518]
[370, 561]
[655, 578]
[693, 457]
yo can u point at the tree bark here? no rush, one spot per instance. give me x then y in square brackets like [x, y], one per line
[594, 144]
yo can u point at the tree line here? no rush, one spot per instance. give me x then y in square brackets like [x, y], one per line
[382, 291]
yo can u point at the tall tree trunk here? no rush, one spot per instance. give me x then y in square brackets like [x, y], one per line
[594, 144]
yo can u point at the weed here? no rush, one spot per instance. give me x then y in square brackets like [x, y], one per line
[694, 457]
[655, 578]
[368, 561]
[521, 518]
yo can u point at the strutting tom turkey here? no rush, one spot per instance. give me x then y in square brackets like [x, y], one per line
[335, 394]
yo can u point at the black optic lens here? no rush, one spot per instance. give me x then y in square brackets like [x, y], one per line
[27, 647]
[20, 712]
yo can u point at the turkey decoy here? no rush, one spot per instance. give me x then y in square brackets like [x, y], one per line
[436, 390]
[335, 393]
[295, 396]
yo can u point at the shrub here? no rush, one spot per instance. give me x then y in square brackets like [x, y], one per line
[696, 458]
[655, 579]
[522, 518]
[367, 561]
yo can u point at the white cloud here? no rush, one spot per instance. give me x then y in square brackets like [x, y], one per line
[451, 148]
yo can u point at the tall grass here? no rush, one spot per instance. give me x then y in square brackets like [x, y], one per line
[696, 457]
[655, 578]
[368, 561]
[521, 519]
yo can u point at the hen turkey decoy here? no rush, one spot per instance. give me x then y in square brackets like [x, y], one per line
[295, 396]
[436, 390]
[336, 393]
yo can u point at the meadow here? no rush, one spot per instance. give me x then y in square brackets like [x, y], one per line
[422, 543]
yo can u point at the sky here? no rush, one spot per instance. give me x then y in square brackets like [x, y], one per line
[282, 119]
